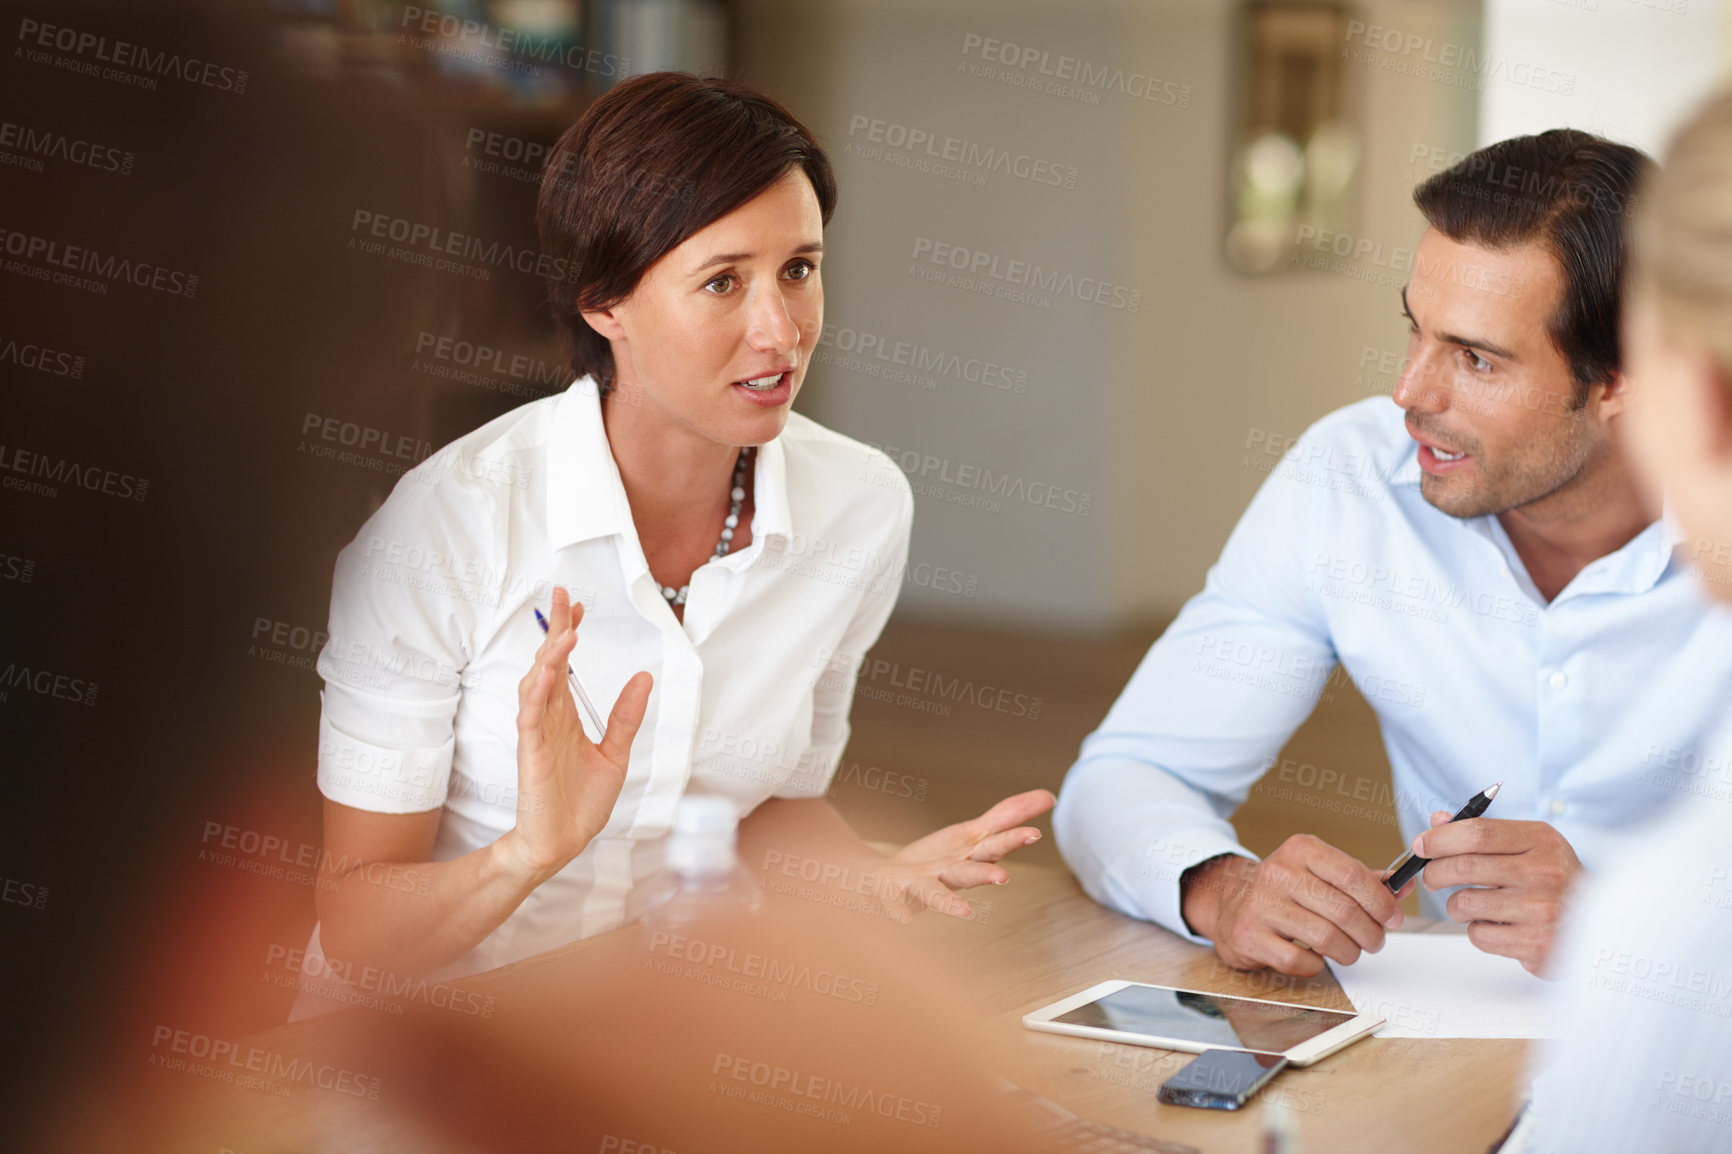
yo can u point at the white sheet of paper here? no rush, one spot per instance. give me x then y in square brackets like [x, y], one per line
[1441, 986]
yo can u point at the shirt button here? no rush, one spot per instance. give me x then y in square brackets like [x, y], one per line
[1558, 680]
[1557, 807]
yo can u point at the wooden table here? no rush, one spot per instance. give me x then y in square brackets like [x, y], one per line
[1045, 939]
[1040, 938]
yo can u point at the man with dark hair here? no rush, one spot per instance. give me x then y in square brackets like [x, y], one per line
[1476, 558]
[1570, 192]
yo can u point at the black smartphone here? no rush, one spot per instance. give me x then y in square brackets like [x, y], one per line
[1221, 1079]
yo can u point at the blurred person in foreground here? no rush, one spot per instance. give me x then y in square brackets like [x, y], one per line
[1473, 553]
[1641, 1056]
[704, 536]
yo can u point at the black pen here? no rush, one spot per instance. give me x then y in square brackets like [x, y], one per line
[1406, 867]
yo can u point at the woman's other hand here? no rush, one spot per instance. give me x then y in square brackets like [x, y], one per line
[926, 873]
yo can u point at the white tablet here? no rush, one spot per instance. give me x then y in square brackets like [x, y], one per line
[1194, 1021]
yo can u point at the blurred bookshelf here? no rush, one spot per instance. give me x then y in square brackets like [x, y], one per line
[492, 84]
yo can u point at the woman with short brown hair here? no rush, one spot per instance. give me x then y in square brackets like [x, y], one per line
[735, 554]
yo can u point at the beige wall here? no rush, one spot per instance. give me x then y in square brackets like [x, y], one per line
[1225, 359]
[1144, 413]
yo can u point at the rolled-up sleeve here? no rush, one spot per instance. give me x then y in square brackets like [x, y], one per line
[1205, 714]
[403, 608]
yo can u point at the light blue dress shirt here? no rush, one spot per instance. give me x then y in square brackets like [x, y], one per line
[1593, 710]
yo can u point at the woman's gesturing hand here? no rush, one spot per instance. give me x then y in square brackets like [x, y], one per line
[566, 783]
[958, 857]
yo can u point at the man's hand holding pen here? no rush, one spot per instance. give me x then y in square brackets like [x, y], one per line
[1522, 871]
[1309, 901]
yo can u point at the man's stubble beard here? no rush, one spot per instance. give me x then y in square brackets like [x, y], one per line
[1523, 482]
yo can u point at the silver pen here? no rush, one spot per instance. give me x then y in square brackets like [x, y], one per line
[590, 714]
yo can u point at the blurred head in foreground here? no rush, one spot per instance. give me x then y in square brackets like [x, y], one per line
[1678, 336]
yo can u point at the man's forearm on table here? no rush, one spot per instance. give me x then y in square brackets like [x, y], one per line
[1130, 831]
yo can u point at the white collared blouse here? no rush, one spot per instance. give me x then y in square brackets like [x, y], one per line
[432, 629]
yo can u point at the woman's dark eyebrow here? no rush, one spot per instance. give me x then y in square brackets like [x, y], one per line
[810, 246]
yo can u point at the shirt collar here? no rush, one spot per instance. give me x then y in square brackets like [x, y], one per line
[1671, 536]
[770, 513]
[586, 498]
[1634, 568]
